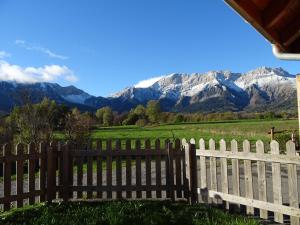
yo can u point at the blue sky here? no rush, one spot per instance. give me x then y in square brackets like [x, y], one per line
[102, 46]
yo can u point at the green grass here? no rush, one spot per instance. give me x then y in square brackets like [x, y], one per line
[122, 213]
[240, 130]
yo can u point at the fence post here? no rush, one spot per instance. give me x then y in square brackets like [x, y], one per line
[292, 181]
[66, 172]
[191, 171]
[171, 171]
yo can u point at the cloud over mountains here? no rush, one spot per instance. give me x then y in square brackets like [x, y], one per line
[47, 73]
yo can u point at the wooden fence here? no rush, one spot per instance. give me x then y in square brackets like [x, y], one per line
[261, 182]
[105, 170]
[227, 172]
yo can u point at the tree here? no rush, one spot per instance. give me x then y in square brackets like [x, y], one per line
[105, 116]
[140, 111]
[34, 122]
[77, 129]
[153, 111]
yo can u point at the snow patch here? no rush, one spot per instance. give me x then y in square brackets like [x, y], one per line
[147, 83]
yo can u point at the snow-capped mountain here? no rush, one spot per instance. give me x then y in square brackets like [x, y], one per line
[260, 89]
[223, 89]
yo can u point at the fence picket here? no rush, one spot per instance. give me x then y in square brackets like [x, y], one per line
[224, 172]
[158, 168]
[177, 152]
[51, 171]
[60, 167]
[79, 174]
[20, 173]
[109, 168]
[148, 168]
[138, 169]
[292, 181]
[170, 153]
[7, 175]
[167, 167]
[128, 168]
[66, 171]
[261, 177]
[31, 172]
[248, 177]
[213, 169]
[191, 171]
[89, 174]
[235, 172]
[42, 175]
[202, 174]
[276, 178]
[118, 169]
[99, 168]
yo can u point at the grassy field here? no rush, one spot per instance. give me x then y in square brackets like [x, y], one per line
[240, 130]
[122, 213]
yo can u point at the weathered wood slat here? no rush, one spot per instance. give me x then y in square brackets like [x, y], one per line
[178, 157]
[256, 203]
[191, 171]
[20, 197]
[109, 167]
[20, 173]
[66, 172]
[31, 172]
[276, 180]
[148, 167]
[89, 174]
[79, 174]
[122, 188]
[213, 168]
[292, 182]
[261, 176]
[128, 168]
[235, 171]
[119, 169]
[99, 168]
[171, 171]
[138, 169]
[251, 156]
[224, 172]
[71, 169]
[60, 167]
[248, 178]
[158, 168]
[51, 172]
[42, 175]
[167, 167]
[85, 153]
[202, 175]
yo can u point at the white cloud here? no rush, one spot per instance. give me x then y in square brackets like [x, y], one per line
[148, 82]
[38, 48]
[47, 73]
[4, 54]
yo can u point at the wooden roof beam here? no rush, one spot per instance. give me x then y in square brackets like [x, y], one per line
[291, 33]
[253, 15]
[277, 11]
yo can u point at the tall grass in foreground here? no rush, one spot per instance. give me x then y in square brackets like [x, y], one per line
[122, 213]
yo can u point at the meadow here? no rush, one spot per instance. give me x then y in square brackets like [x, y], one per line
[240, 130]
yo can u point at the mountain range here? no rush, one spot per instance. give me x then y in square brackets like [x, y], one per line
[215, 91]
